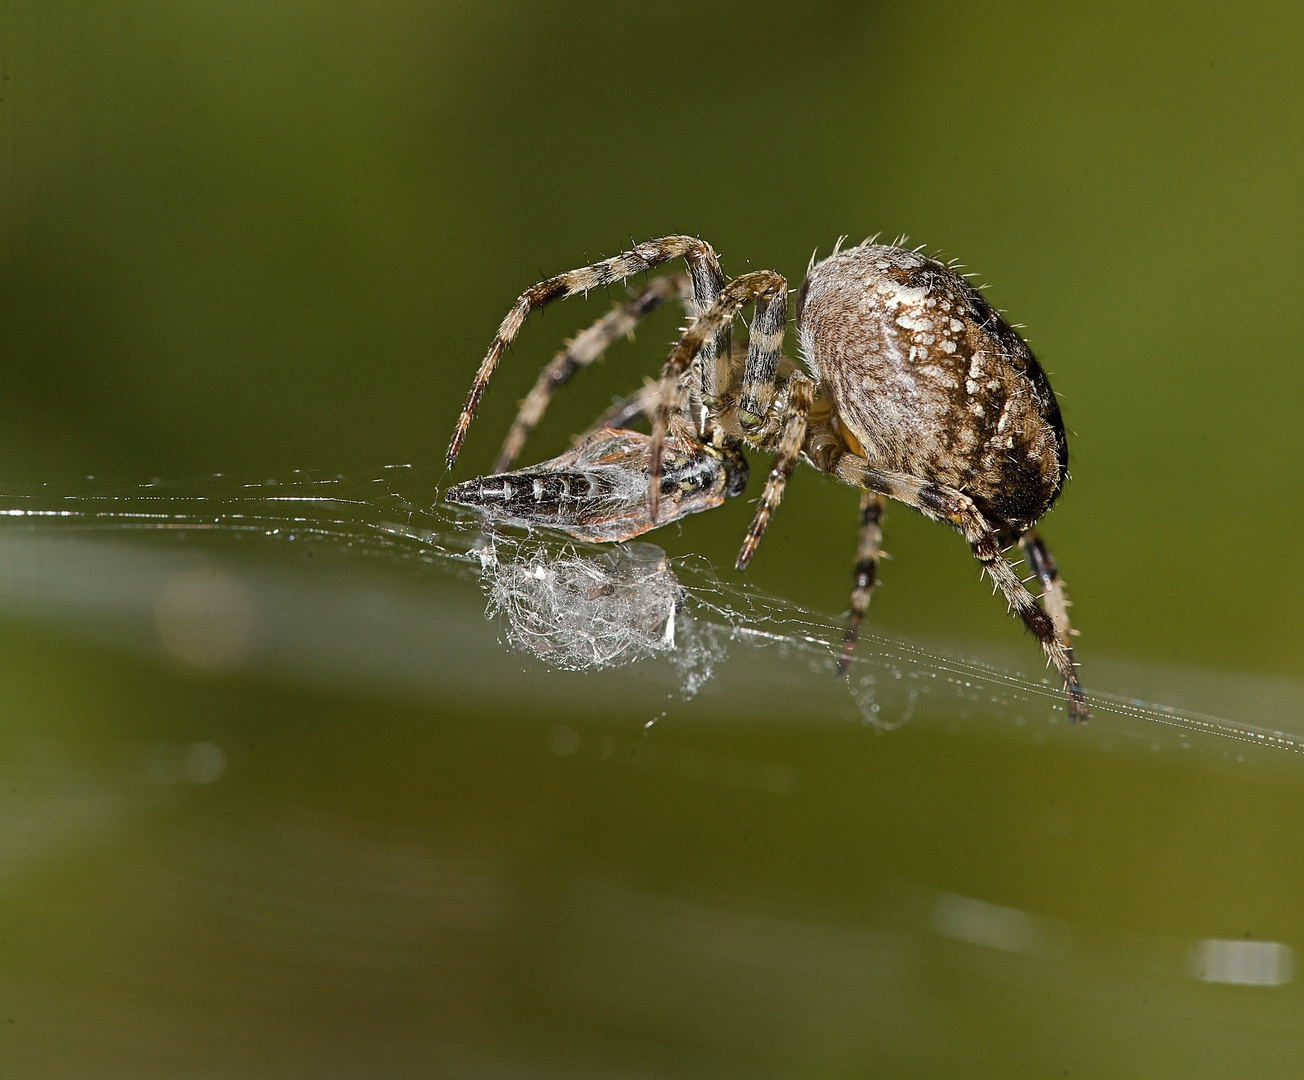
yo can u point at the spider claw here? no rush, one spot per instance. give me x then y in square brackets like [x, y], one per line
[844, 661]
[748, 550]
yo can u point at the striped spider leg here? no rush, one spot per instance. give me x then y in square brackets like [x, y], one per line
[703, 269]
[1053, 597]
[581, 351]
[727, 408]
[868, 553]
[943, 503]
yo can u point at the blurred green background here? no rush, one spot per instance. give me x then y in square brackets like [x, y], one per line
[258, 238]
[253, 237]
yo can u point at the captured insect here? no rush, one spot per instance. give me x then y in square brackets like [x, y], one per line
[913, 388]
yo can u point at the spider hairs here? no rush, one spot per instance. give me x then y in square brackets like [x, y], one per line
[914, 388]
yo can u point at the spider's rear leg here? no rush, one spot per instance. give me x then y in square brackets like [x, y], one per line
[582, 351]
[1053, 597]
[868, 553]
[983, 542]
[703, 268]
[959, 511]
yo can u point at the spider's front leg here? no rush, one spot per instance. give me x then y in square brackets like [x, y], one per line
[703, 269]
[795, 402]
[582, 351]
[769, 290]
[642, 403]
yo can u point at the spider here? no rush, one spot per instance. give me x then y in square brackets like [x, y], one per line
[914, 388]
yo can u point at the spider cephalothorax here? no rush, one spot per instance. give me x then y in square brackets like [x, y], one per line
[917, 389]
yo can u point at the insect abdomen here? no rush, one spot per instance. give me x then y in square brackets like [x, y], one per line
[524, 492]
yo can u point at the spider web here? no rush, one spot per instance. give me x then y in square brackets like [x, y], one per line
[588, 608]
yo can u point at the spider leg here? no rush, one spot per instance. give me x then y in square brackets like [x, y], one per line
[1053, 597]
[582, 351]
[764, 348]
[703, 268]
[800, 392]
[709, 327]
[958, 510]
[643, 401]
[624, 410]
[867, 556]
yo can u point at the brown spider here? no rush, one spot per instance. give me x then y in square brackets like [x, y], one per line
[918, 390]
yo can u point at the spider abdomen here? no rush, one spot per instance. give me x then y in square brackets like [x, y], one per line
[931, 381]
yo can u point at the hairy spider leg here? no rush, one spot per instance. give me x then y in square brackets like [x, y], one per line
[625, 410]
[764, 348]
[703, 268]
[643, 401]
[795, 402]
[581, 351]
[1053, 597]
[868, 552]
[943, 503]
[708, 327]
